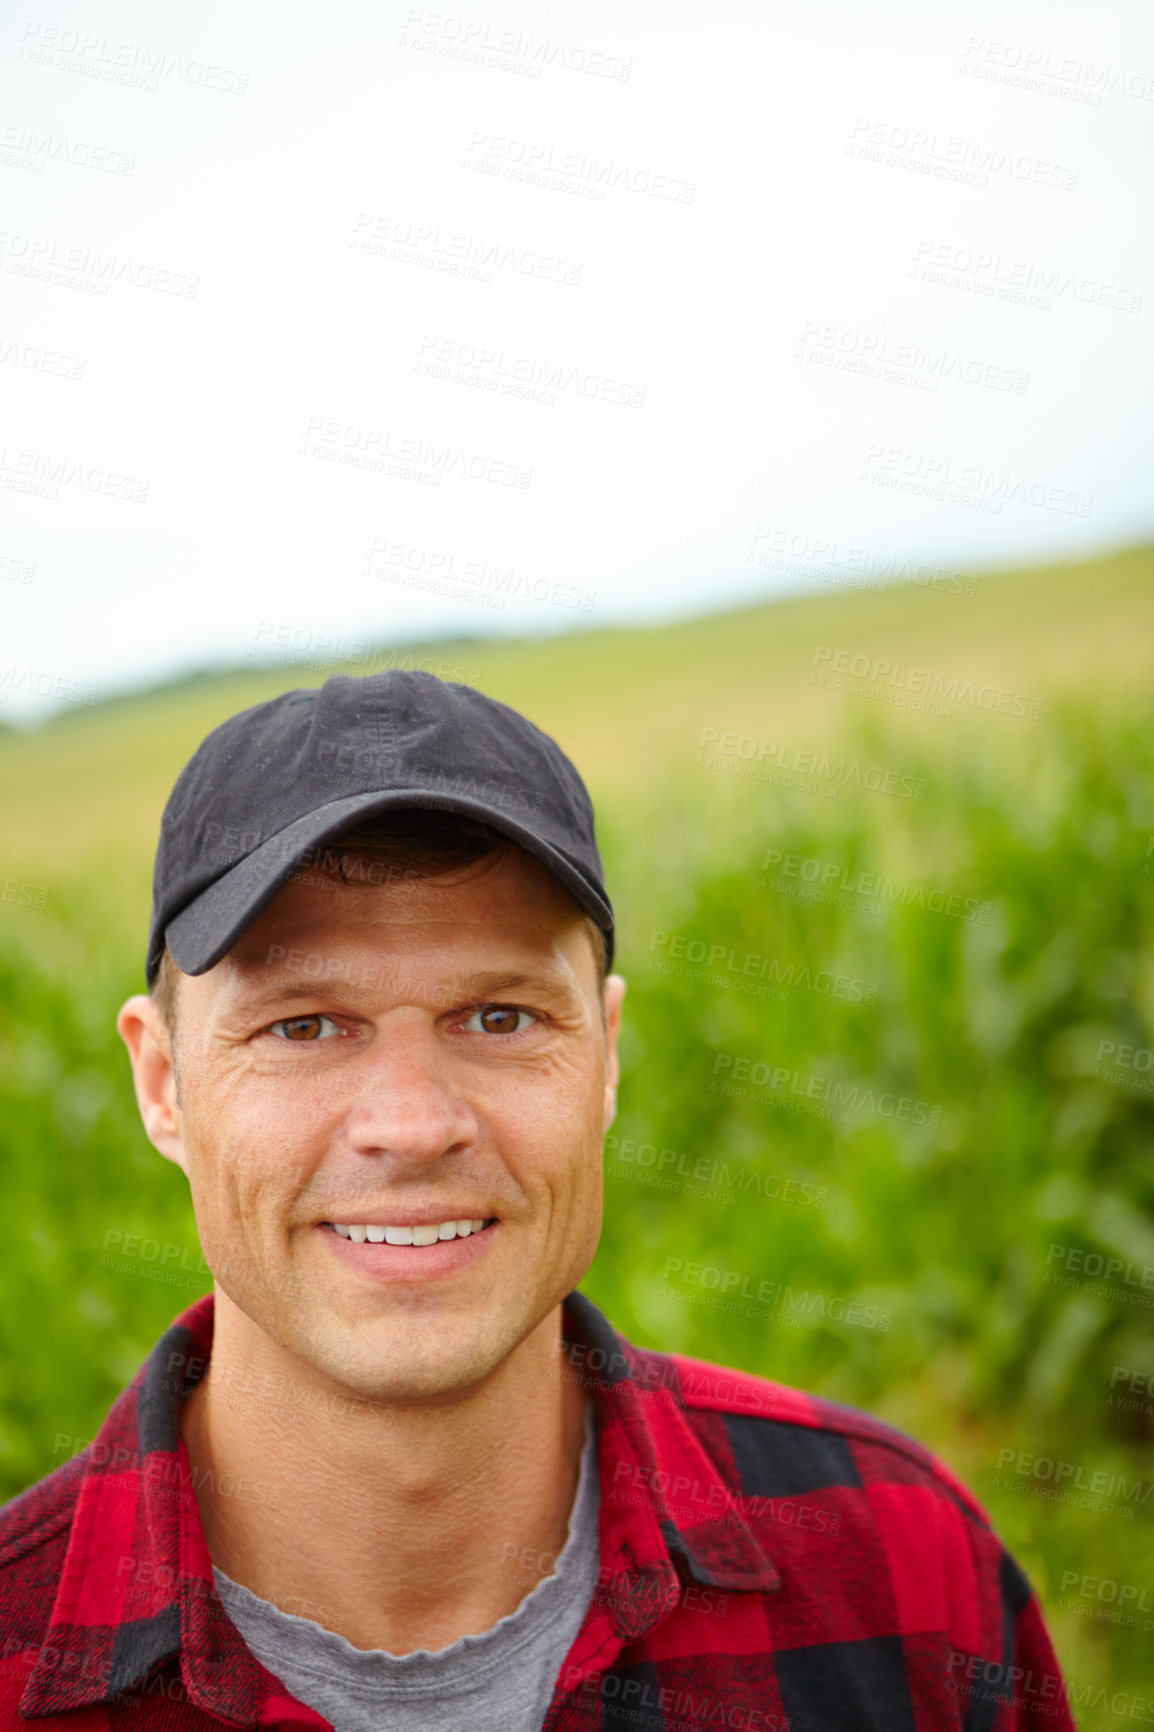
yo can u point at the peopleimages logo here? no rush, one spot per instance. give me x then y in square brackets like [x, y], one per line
[1030, 68]
[80, 267]
[938, 477]
[384, 451]
[495, 583]
[133, 63]
[481, 42]
[519, 375]
[734, 1293]
[874, 670]
[1070, 1476]
[832, 878]
[753, 963]
[45, 685]
[691, 1172]
[535, 160]
[968, 160]
[39, 473]
[379, 234]
[875, 355]
[1106, 1591]
[851, 565]
[827, 1092]
[809, 770]
[1114, 1271]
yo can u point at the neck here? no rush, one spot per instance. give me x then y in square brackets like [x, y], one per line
[398, 1527]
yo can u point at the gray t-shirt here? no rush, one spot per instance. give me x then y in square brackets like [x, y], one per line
[499, 1681]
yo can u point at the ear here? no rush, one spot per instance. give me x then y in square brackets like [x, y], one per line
[614, 998]
[143, 1032]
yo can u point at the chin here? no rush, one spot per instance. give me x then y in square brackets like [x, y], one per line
[406, 1363]
[415, 1381]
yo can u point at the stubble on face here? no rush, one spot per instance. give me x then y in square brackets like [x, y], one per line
[403, 1112]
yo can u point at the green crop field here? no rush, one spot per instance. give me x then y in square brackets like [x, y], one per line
[886, 1120]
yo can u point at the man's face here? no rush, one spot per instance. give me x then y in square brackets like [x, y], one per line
[395, 1054]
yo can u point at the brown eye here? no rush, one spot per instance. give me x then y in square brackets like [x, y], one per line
[304, 1027]
[501, 1019]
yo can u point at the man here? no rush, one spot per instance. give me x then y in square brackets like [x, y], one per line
[396, 1472]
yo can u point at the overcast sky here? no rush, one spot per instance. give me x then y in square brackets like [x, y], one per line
[582, 314]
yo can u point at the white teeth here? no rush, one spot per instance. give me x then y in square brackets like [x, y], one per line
[425, 1235]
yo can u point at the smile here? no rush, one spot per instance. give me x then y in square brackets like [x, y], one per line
[426, 1234]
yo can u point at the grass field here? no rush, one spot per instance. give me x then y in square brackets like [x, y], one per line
[886, 1122]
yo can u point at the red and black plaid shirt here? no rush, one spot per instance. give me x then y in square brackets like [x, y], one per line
[770, 1562]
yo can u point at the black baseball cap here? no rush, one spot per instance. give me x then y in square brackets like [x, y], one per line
[273, 782]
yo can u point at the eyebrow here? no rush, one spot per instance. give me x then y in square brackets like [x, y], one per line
[355, 982]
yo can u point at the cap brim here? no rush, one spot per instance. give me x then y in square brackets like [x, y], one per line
[201, 934]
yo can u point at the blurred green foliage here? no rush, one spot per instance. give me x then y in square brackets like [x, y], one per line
[968, 955]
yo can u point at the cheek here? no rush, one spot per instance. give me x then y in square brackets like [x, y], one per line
[548, 1120]
[545, 1132]
[248, 1135]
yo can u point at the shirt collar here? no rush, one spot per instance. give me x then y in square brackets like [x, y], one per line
[666, 1508]
[136, 1587]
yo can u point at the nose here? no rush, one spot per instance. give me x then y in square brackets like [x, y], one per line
[408, 1106]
